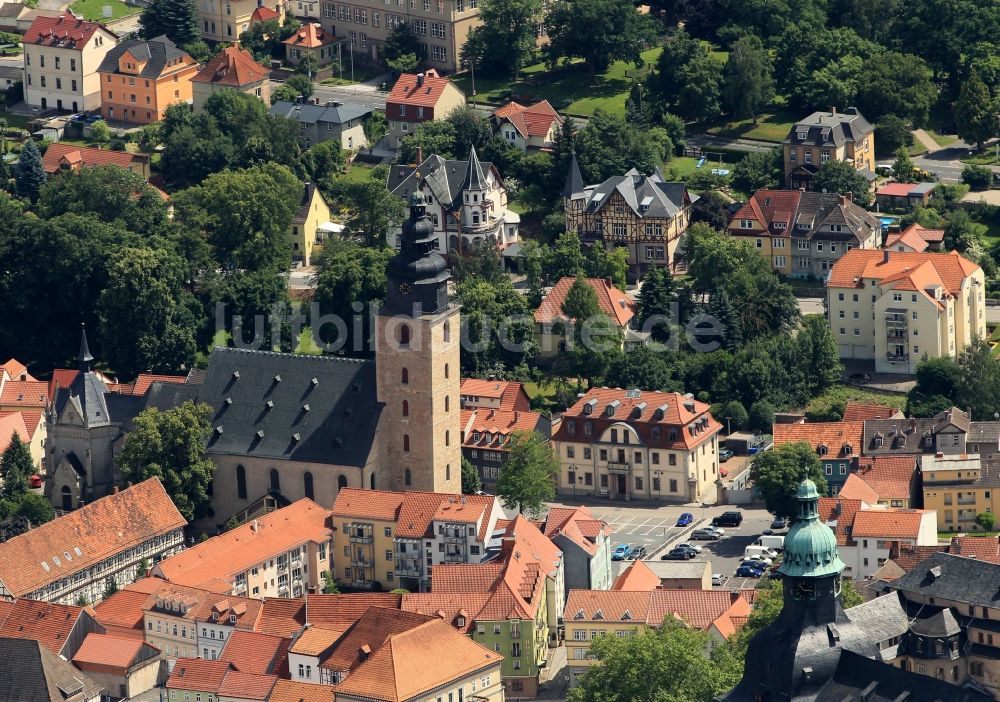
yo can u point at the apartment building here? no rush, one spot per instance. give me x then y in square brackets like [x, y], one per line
[553, 329]
[803, 234]
[398, 539]
[824, 136]
[959, 487]
[645, 214]
[418, 98]
[73, 557]
[231, 69]
[225, 20]
[505, 395]
[61, 58]
[442, 27]
[486, 435]
[631, 444]
[284, 553]
[140, 79]
[215, 681]
[894, 480]
[593, 614]
[898, 307]
[838, 445]
[585, 542]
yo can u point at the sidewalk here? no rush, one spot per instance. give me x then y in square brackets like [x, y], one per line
[926, 140]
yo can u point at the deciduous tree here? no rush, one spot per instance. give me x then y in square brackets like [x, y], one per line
[778, 473]
[505, 41]
[16, 467]
[371, 210]
[749, 80]
[598, 31]
[976, 112]
[757, 170]
[470, 478]
[527, 478]
[840, 177]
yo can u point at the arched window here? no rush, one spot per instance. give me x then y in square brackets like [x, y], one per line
[447, 437]
[241, 482]
[447, 472]
[275, 481]
[407, 477]
[307, 484]
[372, 481]
[406, 442]
[447, 332]
[341, 482]
[404, 334]
[475, 218]
[405, 377]
[406, 408]
[445, 370]
[447, 403]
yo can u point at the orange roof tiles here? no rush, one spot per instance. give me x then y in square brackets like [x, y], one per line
[202, 605]
[948, 269]
[859, 411]
[498, 424]
[467, 577]
[198, 675]
[310, 36]
[46, 622]
[16, 370]
[371, 630]
[915, 237]
[237, 550]
[448, 606]
[315, 640]
[511, 394]
[262, 14]
[417, 661]
[145, 380]
[407, 92]
[578, 525]
[983, 548]
[247, 686]
[636, 578]
[841, 439]
[413, 512]
[254, 652]
[838, 513]
[282, 616]
[24, 393]
[606, 605]
[121, 614]
[888, 524]
[855, 488]
[65, 31]
[233, 67]
[889, 476]
[104, 650]
[72, 155]
[10, 424]
[908, 557]
[339, 612]
[294, 691]
[106, 526]
[612, 301]
[535, 120]
[699, 609]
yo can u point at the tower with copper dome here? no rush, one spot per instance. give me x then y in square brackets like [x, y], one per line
[417, 361]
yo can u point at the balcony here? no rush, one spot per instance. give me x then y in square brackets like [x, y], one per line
[619, 467]
[897, 358]
[408, 568]
[895, 332]
[966, 500]
[364, 539]
[361, 562]
[895, 320]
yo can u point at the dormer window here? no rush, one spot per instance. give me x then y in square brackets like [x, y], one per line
[460, 621]
[598, 615]
[822, 449]
[232, 618]
[802, 134]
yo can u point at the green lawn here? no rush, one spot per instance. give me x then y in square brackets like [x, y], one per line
[358, 173]
[682, 166]
[12, 120]
[94, 9]
[946, 535]
[306, 344]
[839, 395]
[568, 88]
[942, 139]
[772, 125]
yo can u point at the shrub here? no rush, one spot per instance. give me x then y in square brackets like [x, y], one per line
[977, 177]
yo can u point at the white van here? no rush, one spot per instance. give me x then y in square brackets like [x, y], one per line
[774, 542]
[754, 550]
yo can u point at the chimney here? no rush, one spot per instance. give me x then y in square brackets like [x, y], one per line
[802, 190]
[420, 80]
[851, 111]
[833, 110]
[420, 155]
[253, 527]
[609, 282]
[114, 490]
[885, 256]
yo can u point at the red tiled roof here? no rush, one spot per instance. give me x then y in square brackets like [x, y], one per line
[948, 269]
[121, 613]
[896, 189]
[909, 557]
[406, 92]
[294, 691]
[859, 411]
[10, 424]
[203, 605]
[855, 488]
[141, 385]
[64, 32]
[235, 551]
[535, 120]
[198, 675]
[499, 424]
[612, 301]
[32, 420]
[606, 605]
[889, 523]
[984, 548]
[578, 525]
[455, 578]
[262, 14]
[373, 629]
[282, 616]
[510, 393]
[74, 155]
[447, 606]
[413, 512]
[255, 652]
[835, 436]
[16, 370]
[915, 237]
[699, 609]
[232, 66]
[889, 476]
[47, 623]
[310, 36]
[104, 650]
[247, 686]
[25, 393]
[105, 527]
[838, 514]
[339, 612]
[637, 578]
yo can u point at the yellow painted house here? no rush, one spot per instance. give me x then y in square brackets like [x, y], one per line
[310, 226]
[958, 488]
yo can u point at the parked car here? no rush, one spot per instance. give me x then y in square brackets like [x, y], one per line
[636, 552]
[685, 519]
[718, 530]
[695, 547]
[723, 472]
[729, 519]
[705, 535]
[686, 548]
[678, 554]
[620, 553]
[35, 481]
[718, 579]
[745, 571]
[724, 455]
[760, 559]
[779, 523]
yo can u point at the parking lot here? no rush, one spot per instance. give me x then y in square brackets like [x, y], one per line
[653, 527]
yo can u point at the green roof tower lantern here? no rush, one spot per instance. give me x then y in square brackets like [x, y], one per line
[810, 546]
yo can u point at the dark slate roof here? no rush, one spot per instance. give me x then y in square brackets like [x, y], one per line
[475, 179]
[328, 403]
[830, 129]
[32, 673]
[11, 72]
[444, 178]
[646, 196]
[954, 578]
[942, 623]
[881, 619]
[912, 431]
[155, 52]
[308, 192]
[574, 179]
[306, 113]
[88, 394]
[859, 678]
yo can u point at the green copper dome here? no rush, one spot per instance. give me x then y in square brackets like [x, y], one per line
[810, 546]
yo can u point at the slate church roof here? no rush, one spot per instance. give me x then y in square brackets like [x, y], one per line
[32, 673]
[320, 409]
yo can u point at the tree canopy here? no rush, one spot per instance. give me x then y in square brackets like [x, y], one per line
[598, 31]
[777, 474]
[527, 477]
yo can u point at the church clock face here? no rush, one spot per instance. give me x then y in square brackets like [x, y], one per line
[804, 590]
[404, 289]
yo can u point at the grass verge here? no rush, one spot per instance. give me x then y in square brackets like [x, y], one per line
[94, 9]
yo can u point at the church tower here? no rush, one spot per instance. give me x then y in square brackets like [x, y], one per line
[417, 366]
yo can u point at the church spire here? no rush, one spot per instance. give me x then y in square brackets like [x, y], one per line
[84, 361]
[574, 179]
[810, 548]
[475, 179]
